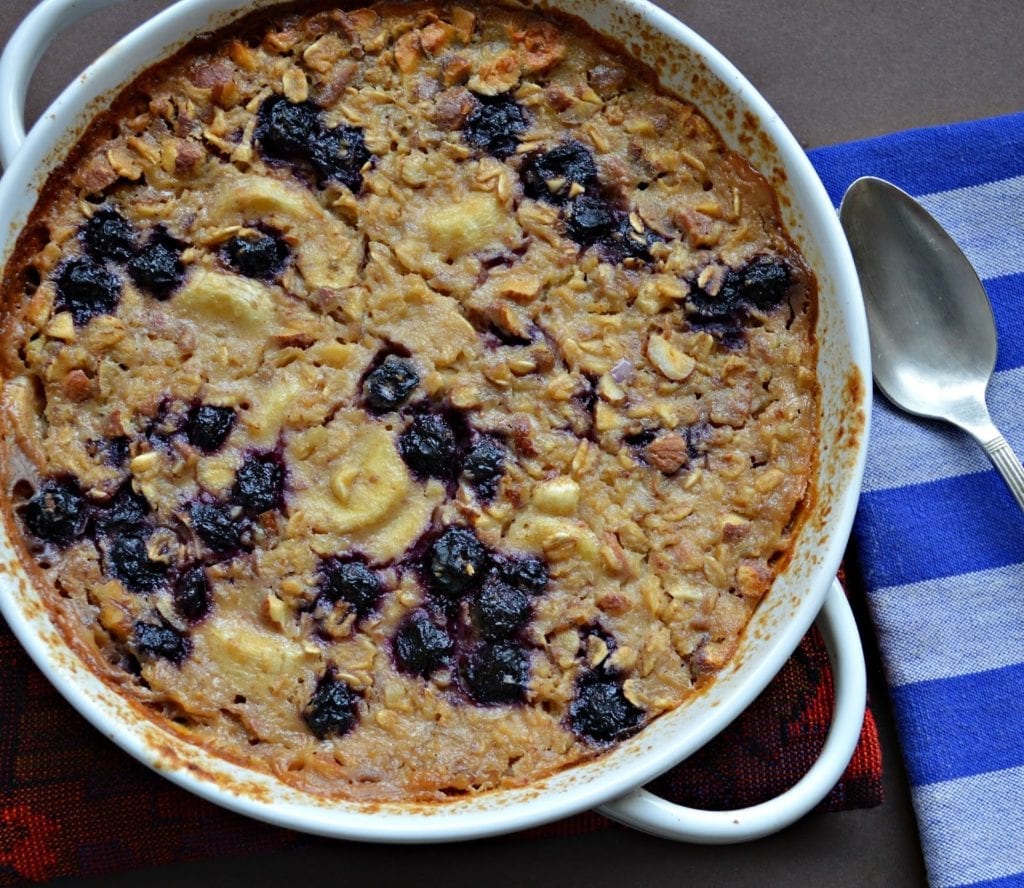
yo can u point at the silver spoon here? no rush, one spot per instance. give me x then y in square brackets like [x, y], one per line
[933, 337]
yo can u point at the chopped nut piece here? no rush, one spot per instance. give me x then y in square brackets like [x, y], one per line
[296, 87]
[668, 453]
[610, 390]
[673, 363]
[464, 22]
[78, 386]
[61, 327]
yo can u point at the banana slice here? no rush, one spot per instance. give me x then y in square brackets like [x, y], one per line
[227, 303]
[475, 222]
[256, 197]
[361, 488]
[248, 661]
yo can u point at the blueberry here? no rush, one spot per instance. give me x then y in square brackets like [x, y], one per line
[86, 289]
[389, 385]
[294, 132]
[725, 307]
[126, 508]
[339, 155]
[192, 593]
[128, 561]
[352, 582]
[566, 163]
[108, 235]
[638, 441]
[56, 512]
[500, 609]
[484, 466]
[160, 641]
[497, 673]
[284, 129]
[116, 450]
[157, 269]
[428, 446]
[697, 436]
[526, 572]
[331, 708]
[420, 646]
[590, 219]
[456, 562]
[207, 426]
[217, 525]
[495, 125]
[762, 283]
[262, 257]
[259, 483]
[600, 711]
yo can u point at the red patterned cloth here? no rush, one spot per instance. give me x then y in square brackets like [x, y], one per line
[71, 803]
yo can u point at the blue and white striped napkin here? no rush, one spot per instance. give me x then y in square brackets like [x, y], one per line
[940, 539]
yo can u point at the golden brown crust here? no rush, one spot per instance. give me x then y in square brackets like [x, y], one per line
[646, 371]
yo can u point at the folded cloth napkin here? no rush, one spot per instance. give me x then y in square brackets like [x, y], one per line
[939, 538]
[72, 804]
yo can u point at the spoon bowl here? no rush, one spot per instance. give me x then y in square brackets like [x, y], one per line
[933, 335]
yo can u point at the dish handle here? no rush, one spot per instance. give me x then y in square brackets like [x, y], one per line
[647, 812]
[21, 56]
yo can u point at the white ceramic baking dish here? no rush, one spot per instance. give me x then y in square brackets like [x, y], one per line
[689, 66]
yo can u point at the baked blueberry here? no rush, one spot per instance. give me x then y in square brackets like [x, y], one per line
[495, 125]
[294, 132]
[127, 508]
[331, 708]
[600, 711]
[157, 269]
[86, 289]
[638, 441]
[162, 642]
[259, 482]
[589, 219]
[108, 235]
[284, 129]
[497, 673]
[420, 646]
[127, 560]
[526, 572]
[457, 561]
[389, 385]
[116, 450]
[428, 446]
[549, 175]
[339, 155]
[697, 436]
[56, 512]
[762, 283]
[208, 426]
[192, 593]
[218, 525]
[352, 582]
[484, 465]
[500, 610]
[262, 257]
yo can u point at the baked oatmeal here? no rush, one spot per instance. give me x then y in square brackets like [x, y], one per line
[409, 401]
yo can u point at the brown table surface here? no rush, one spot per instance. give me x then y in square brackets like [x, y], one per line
[837, 70]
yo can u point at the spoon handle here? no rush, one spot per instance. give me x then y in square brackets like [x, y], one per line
[1007, 464]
